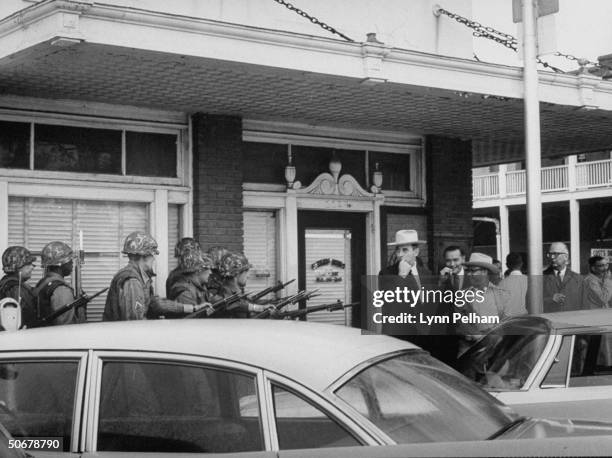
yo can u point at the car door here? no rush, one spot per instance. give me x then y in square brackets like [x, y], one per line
[575, 383]
[140, 403]
[41, 398]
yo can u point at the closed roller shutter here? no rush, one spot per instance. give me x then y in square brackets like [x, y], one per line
[323, 245]
[174, 231]
[260, 249]
[34, 222]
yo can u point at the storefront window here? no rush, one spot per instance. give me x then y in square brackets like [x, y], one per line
[395, 168]
[14, 145]
[77, 149]
[151, 155]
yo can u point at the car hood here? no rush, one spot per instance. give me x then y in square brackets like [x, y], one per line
[538, 428]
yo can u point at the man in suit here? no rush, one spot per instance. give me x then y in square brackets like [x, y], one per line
[562, 287]
[452, 275]
[405, 272]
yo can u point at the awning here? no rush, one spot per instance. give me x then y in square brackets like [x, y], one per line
[63, 49]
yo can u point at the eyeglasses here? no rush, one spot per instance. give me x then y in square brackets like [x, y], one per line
[555, 254]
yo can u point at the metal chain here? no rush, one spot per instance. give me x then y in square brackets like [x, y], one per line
[312, 19]
[508, 40]
[482, 31]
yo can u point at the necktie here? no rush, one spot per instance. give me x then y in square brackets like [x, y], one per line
[455, 281]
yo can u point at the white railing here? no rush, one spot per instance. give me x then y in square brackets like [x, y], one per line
[554, 178]
[486, 186]
[588, 175]
[515, 182]
[594, 174]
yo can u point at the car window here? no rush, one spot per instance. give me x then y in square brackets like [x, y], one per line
[591, 360]
[504, 358]
[173, 407]
[557, 374]
[415, 398]
[37, 398]
[300, 424]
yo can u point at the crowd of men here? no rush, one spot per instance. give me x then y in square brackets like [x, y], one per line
[200, 280]
[504, 295]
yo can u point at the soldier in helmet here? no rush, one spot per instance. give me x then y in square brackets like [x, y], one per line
[234, 270]
[215, 281]
[53, 290]
[185, 246]
[130, 296]
[190, 287]
[18, 264]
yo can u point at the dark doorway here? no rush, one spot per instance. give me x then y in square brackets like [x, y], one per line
[332, 256]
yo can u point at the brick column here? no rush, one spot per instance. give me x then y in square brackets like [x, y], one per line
[217, 181]
[449, 195]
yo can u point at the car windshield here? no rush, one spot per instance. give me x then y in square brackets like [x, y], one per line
[504, 358]
[413, 398]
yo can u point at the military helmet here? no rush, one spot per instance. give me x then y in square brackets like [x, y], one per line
[217, 253]
[15, 257]
[140, 243]
[234, 264]
[186, 244]
[56, 254]
[193, 261]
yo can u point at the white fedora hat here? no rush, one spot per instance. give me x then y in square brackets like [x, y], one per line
[406, 237]
[482, 260]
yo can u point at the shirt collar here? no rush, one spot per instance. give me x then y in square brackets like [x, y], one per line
[516, 272]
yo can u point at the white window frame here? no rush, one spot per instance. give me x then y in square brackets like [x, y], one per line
[156, 192]
[123, 126]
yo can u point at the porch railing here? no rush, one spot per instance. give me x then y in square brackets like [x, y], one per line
[585, 175]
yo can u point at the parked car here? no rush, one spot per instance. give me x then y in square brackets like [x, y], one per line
[214, 386]
[557, 365]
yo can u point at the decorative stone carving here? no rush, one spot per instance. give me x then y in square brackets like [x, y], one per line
[330, 184]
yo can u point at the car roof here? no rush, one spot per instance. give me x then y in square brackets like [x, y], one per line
[313, 354]
[565, 322]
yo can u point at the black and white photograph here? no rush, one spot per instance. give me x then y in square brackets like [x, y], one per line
[305, 228]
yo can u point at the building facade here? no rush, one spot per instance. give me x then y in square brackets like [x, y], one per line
[232, 123]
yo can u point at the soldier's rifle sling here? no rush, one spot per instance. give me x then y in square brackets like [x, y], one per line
[80, 302]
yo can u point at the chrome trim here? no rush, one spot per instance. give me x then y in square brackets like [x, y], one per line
[86, 401]
[78, 404]
[365, 364]
[569, 363]
[542, 366]
[268, 398]
[320, 401]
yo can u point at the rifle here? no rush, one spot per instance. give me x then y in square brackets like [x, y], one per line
[217, 306]
[332, 307]
[272, 289]
[80, 302]
[300, 296]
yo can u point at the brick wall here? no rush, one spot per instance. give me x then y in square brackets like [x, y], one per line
[449, 195]
[217, 181]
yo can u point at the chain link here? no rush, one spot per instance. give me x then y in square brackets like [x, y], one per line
[509, 41]
[312, 19]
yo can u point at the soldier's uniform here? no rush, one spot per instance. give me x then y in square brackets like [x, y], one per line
[53, 291]
[186, 289]
[13, 259]
[131, 295]
[183, 247]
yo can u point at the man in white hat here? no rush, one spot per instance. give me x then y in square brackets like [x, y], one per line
[488, 301]
[405, 272]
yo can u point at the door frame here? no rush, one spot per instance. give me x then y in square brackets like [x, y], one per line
[352, 221]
